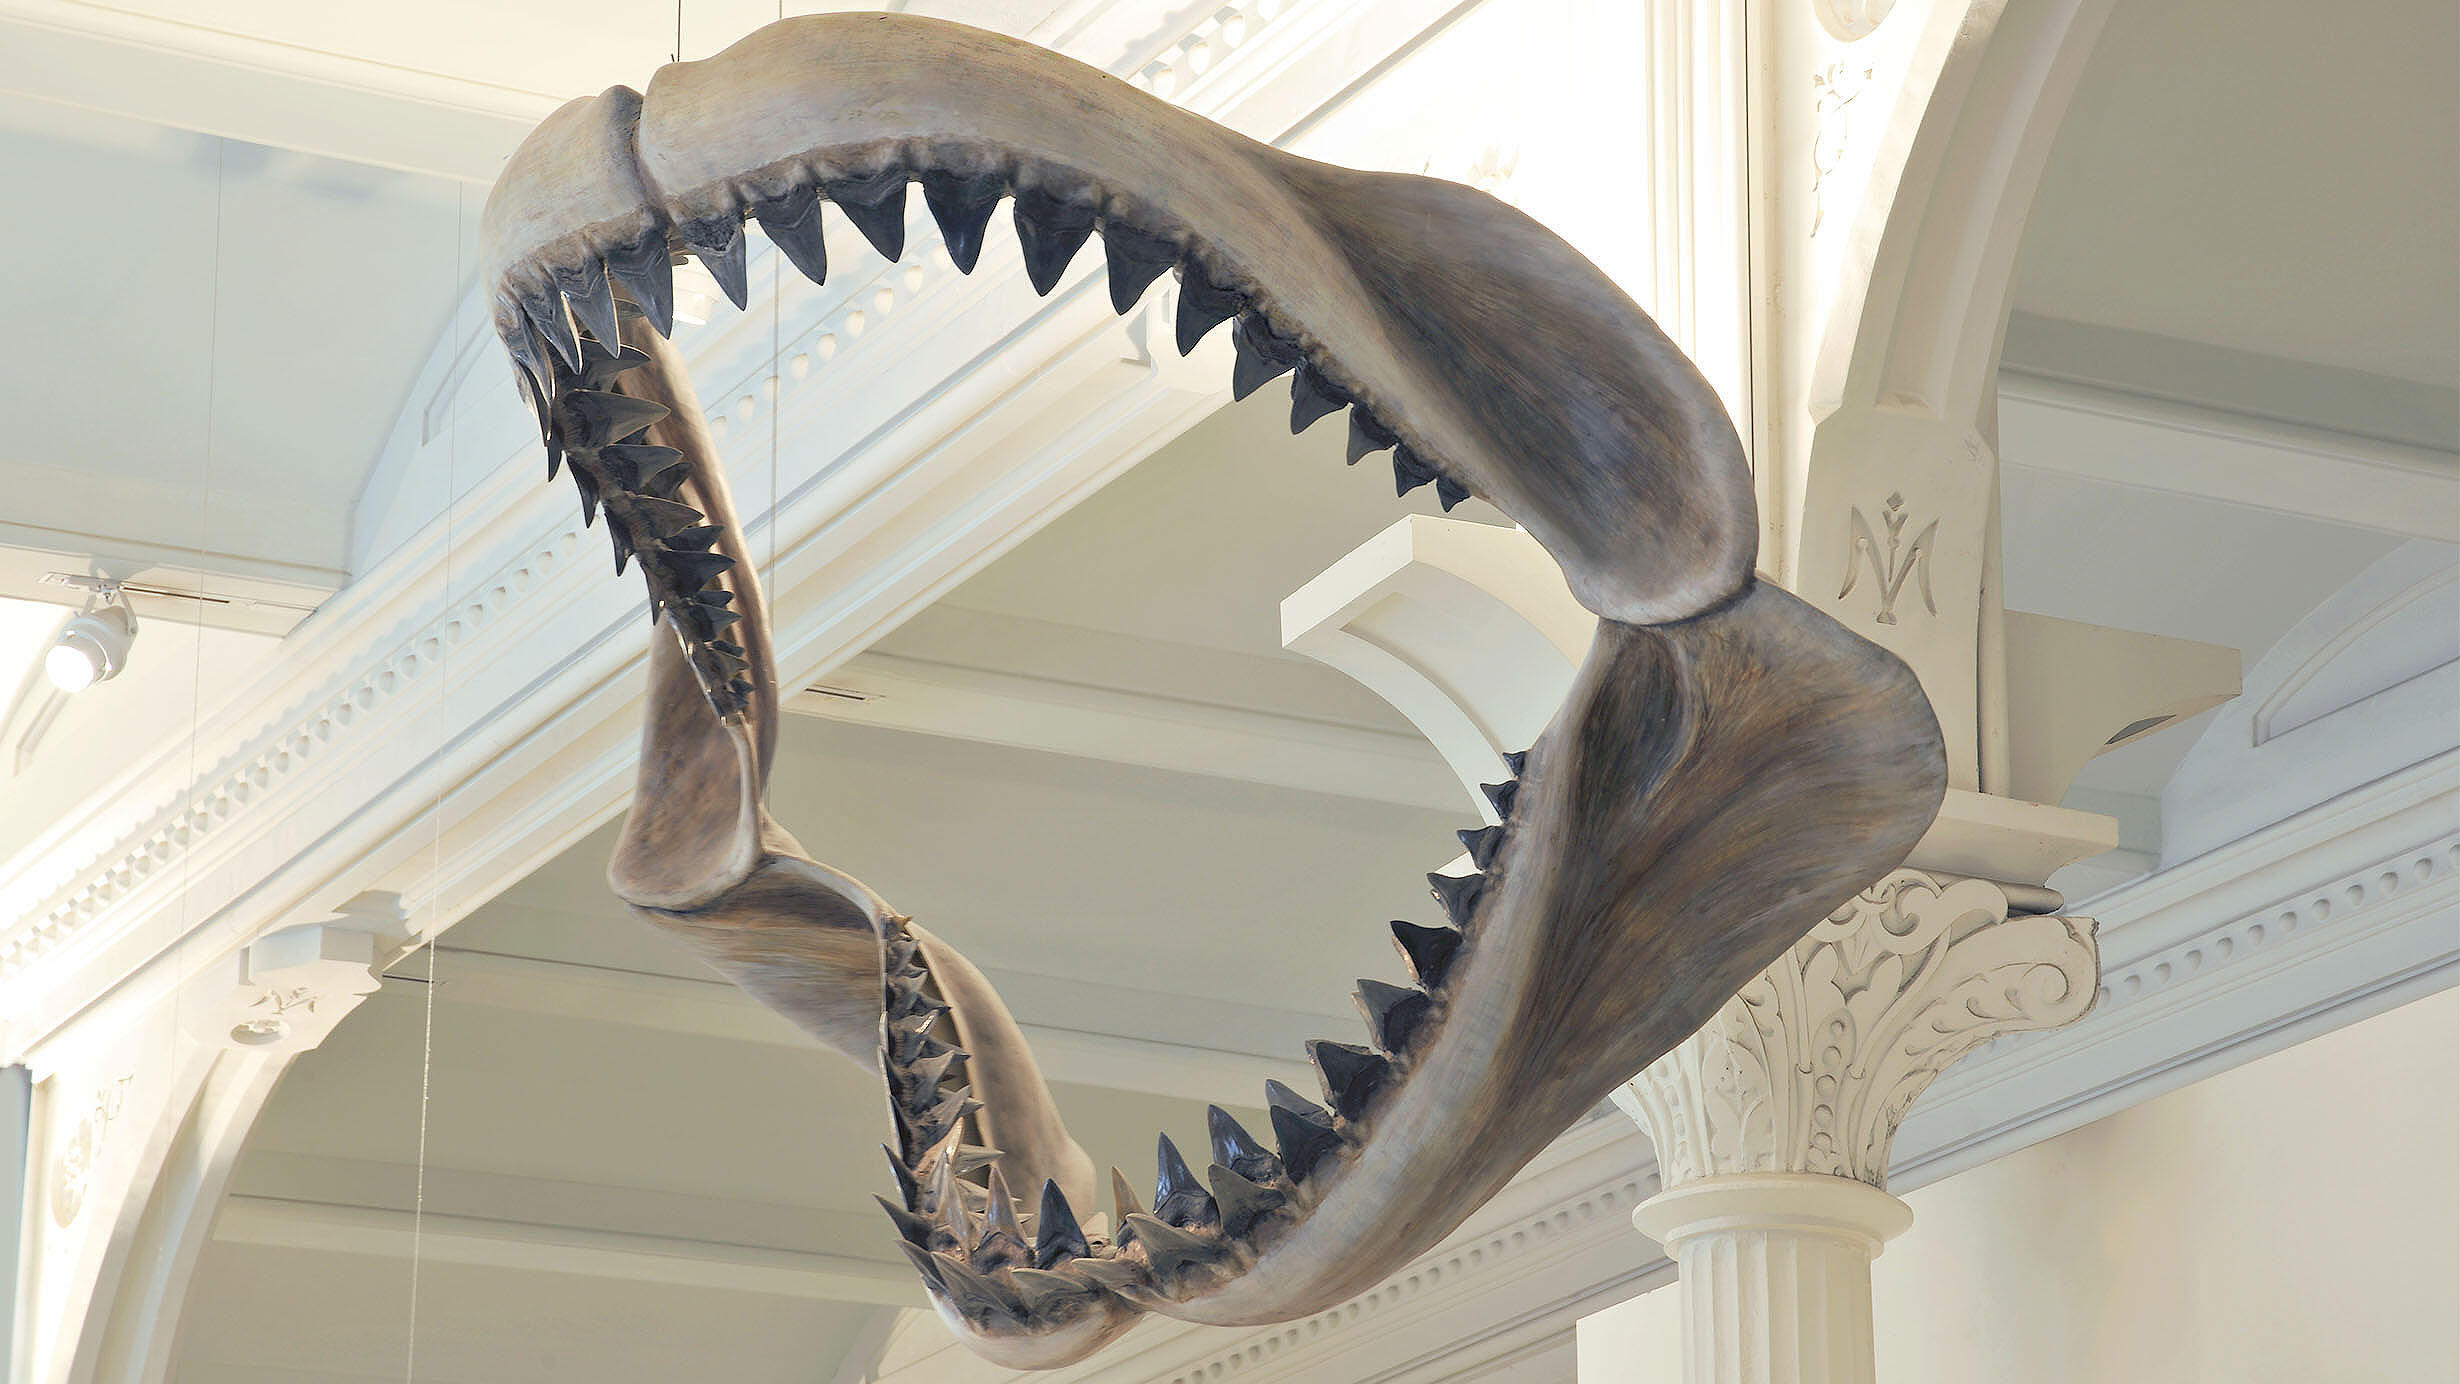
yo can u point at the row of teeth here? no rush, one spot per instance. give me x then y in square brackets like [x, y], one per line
[561, 329]
[1002, 1266]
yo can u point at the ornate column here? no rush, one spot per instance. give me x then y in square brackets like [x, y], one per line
[1773, 1123]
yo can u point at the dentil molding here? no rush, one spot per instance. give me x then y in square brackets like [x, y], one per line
[1813, 1065]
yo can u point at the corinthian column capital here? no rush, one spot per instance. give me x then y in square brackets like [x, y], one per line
[1813, 1065]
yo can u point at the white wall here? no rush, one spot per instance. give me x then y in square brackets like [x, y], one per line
[2292, 1220]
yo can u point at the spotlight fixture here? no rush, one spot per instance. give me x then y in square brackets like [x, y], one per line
[93, 646]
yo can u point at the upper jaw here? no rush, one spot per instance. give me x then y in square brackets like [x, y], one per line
[1500, 360]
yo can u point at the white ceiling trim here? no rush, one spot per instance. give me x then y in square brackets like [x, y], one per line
[189, 77]
[2120, 438]
[1128, 727]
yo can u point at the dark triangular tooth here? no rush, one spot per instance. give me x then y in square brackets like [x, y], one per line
[1482, 843]
[544, 308]
[1312, 397]
[1367, 435]
[732, 649]
[978, 1299]
[902, 991]
[555, 456]
[913, 1227]
[1449, 492]
[1352, 1075]
[647, 272]
[924, 1264]
[1264, 355]
[1169, 1249]
[1428, 949]
[908, 1190]
[1302, 1128]
[908, 1037]
[948, 1204]
[1136, 260]
[592, 418]
[1518, 762]
[1459, 895]
[661, 519]
[600, 367]
[720, 598]
[1238, 1150]
[639, 466]
[791, 221]
[972, 1157]
[592, 302]
[1243, 1202]
[923, 1075]
[697, 569]
[962, 205]
[1110, 1273]
[1002, 1245]
[1408, 471]
[694, 540]
[1178, 1198]
[1392, 1012]
[1502, 795]
[587, 484]
[623, 546]
[1042, 1291]
[1203, 305]
[718, 243]
[928, 1127]
[897, 953]
[1057, 1236]
[1050, 230]
[876, 206]
[1122, 1198]
[529, 373]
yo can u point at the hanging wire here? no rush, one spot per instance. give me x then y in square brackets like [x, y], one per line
[435, 815]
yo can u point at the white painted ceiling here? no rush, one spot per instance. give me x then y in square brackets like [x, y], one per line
[2267, 176]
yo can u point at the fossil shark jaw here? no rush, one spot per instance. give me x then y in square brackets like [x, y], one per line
[1729, 766]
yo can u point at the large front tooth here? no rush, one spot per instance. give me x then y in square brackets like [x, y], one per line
[1050, 230]
[876, 206]
[1303, 1128]
[949, 1204]
[1167, 1248]
[591, 419]
[585, 288]
[1459, 895]
[1264, 355]
[1042, 1292]
[1409, 471]
[979, 1299]
[1238, 1150]
[1122, 1198]
[1057, 1236]
[1203, 305]
[1392, 1012]
[1367, 435]
[962, 203]
[792, 222]
[1312, 397]
[544, 307]
[1482, 843]
[647, 272]
[1002, 1245]
[718, 241]
[1136, 260]
[1178, 1198]
[913, 1227]
[1243, 1202]
[1352, 1075]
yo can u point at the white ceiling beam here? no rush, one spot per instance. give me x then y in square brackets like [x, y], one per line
[1122, 726]
[571, 1251]
[2128, 439]
[713, 1009]
[189, 77]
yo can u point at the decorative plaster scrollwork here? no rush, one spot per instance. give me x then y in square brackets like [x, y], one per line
[1851, 19]
[1834, 90]
[1813, 1065]
[80, 1155]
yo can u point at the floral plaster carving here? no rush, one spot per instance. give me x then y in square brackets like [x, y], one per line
[1812, 1067]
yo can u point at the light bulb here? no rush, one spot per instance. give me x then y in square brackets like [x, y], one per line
[70, 667]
